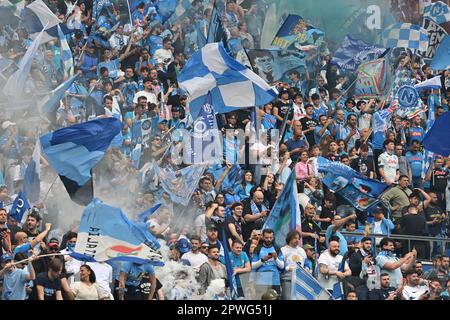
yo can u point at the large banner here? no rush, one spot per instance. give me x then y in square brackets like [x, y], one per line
[373, 79]
[274, 65]
[435, 35]
[360, 191]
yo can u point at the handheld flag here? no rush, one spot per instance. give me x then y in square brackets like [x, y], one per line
[405, 35]
[32, 179]
[285, 214]
[16, 82]
[216, 31]
[66, 55]
[51, 101]
[147, 213]
[433, 83]
[37, 16]
[436, 35]
[19, 207]
[306, 287]
[232, 85]
[106, 234]
[441, 60]
[229, 267]
[75, 150]
[436, 139]
[427, 155]
[438, 11]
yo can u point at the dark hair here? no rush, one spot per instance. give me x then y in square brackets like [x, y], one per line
[195, 237]
[34, 215]
[167, 39]
[387, 141]
[107, 98]
[403, 176]
[384, 274]
[103, 69]
[236, 204]
[92, 277]
[234, 242]
[385, 241]
[315, 96]
[364, 239]
[20, 256]
[243, 182]
[214, 247]
[291, 235]
[333, 238]
[55, 265]
[267, 230]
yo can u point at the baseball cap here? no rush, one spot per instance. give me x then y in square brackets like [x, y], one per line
[7, 124]
[176, 108]
[6, 257]
[53, 243]
[377, 210]
[308, 246]
[183, 245]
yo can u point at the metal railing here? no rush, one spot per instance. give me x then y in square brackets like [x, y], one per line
[443, 243]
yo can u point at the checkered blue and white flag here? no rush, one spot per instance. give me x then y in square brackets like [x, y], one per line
[66, 55]
[405, 35]
[232, 85]
[439, 12]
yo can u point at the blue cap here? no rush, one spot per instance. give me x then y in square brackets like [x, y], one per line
[7, 257]
[183, 245]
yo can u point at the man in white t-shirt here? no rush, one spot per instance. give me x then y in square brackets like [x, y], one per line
[329, 263]
[165, 54]
[292, 254]
[195, 257]
[388, 164]
[415, 288]
[147, 92]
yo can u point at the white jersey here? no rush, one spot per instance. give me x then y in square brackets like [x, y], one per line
[389, 162]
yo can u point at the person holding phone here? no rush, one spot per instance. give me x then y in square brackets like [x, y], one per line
[415, 288]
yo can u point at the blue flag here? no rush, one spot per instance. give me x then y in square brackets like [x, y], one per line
[147, 213]
[37, 16]
[436, 139]
[106, 234]
[19, 207]
[353, 52]
[180, 186]
[75, 150]
[232, 85]
[441, 60]
[32, 178]
[306, 287]
[216, 31]
[285, 214]
[229, 267]
[205, 146]
[52, 100]
[232, 179]
[360, 191]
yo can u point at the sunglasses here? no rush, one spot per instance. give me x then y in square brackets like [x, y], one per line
[205, 247]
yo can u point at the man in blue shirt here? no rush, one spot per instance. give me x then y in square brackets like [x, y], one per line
[333, 230]
[321, 131]
[25, 246]
[240, 263]
[267, 263]
[415, 132]
[130, 277]
[297, 143]
[15, 278]
[415, 159]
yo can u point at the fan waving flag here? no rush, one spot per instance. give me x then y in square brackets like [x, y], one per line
[433, 83]
[437, 138]
[106, 234]
[75, 150]
[405, 35]
[230, 272]
[438, 11]
[37, 16]
[32, 179]
[441, 60]
[19, 207]
[306, 287]
[232, 85]
[66, 55]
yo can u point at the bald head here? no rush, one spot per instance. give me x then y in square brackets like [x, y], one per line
[258, 197]
[21, 237]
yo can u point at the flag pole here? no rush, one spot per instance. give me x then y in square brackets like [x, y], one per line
[42, 256]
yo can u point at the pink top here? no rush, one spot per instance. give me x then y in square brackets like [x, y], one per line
[303, 170]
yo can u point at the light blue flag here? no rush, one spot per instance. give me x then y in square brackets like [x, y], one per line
[166, 8]
[20, 207]
[205, 145]
[180, 186]
[230, 273]
[285, 214]
[16, 82]
[106, 234]
[52, 100]
[436, 139]
[232, 179]
[232, 85]
[438, 11]
[147, 213]
[75, 150]
[32, 178]
[66, 55]
[405, 35]
[306, 287]
[37, 16]
[441, 60]
[428, 155]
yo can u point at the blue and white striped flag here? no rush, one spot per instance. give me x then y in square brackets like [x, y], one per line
[52, 101]
[405, 35]
[428, 155]
[439, 12]
[306, 287]
[66, 55]
[32, 179]
[232, 85]
[230, 273]
[37, 16]
[16, 82]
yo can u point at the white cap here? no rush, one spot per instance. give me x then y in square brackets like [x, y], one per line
[6, 124]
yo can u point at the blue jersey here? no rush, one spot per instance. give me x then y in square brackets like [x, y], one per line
[415, 161]
[268, 273]
[135, 272]
[239, 262]
[415, 134]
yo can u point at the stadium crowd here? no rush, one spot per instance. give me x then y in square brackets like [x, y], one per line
[129, 71]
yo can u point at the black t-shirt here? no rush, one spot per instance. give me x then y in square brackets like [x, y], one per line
[363, 166]
[310, 227]
[283, 108]
[326, 213]
[438, 180]
[237, 224]
[333, 157]
[380, 294]
[145, 286]
[50, 286]
[414, 224]
[430, 214]
[306, 124]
